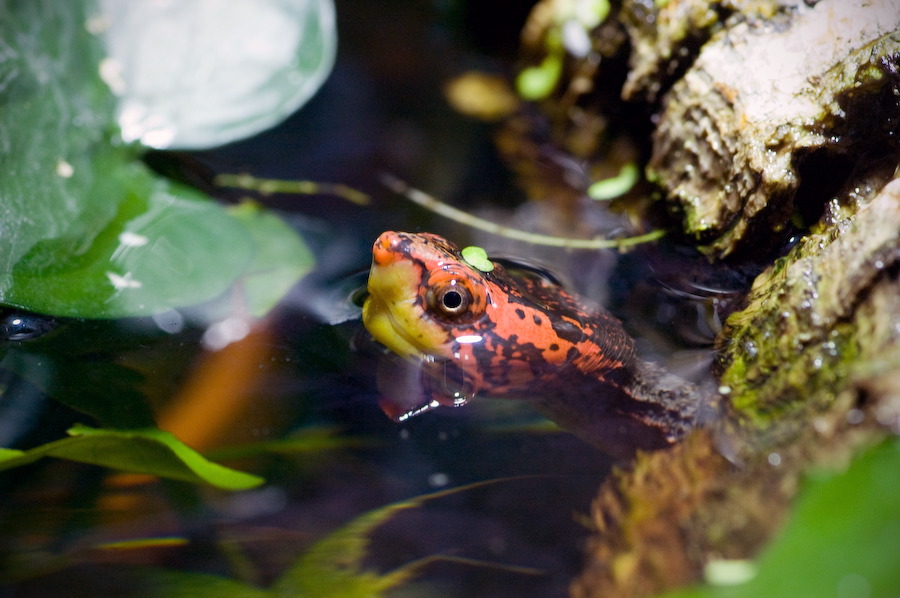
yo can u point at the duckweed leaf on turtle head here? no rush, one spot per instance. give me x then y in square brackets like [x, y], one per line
[147, 450]
[477, 257]
[86, 230]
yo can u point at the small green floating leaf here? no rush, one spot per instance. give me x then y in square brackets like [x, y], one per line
[147, 450]
[537, 82]
[615, 186]
[477, 257]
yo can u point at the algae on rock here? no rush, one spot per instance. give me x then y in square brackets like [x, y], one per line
[779, 143]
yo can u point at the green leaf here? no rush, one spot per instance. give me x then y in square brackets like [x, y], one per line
[107, 391]
[615, 186]
[221, 75]
[477, 257]
[85, 229]
[333, 566]
[840, 541]
[537, 82]
[171, 249]
[153, 581]
[280, 260]
[149, 451]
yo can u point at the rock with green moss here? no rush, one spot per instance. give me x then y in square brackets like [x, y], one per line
[781, 124]
[822, 322]
[762, 98]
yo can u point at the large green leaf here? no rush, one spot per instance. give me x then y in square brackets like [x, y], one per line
[279, 260]
[842, 539]
[148, 450]
[224, 72]
[163, 248]
[85, 229]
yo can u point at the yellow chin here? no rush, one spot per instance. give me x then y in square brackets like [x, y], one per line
[391, 315]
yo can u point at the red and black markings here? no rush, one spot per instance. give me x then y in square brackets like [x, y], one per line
[516, 334]
[533, 334]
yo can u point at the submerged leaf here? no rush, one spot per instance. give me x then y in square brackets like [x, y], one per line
[281, 258]
[148, 450]
[152, 581]
[333, 565]
[309, 441]
[330, 568]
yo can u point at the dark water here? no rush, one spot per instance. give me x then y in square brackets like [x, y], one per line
[309, 368]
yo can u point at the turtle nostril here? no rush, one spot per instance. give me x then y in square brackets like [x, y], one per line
[384, 249]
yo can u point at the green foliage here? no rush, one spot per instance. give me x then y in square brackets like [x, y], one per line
[840, 541]
[148, 451]
[332, 567]
[477, 257]
[89, 231]
[615, 186]
[537, 82]
[279, 258]
[313, 440]
[106, 391]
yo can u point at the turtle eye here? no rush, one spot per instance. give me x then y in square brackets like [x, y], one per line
[454, 295]
[450, 298]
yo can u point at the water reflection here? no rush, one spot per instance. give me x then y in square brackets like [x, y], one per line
[66, 521]
[290, 398]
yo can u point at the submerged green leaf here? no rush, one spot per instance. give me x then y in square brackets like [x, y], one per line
[86, 230]
[309, 441]
[280, 259]
[101, 388]
[333, 566]
[840, 541]
[167, 583]
[148, 450]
